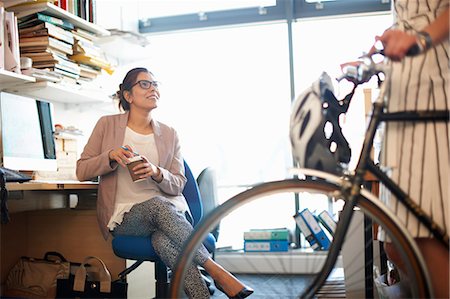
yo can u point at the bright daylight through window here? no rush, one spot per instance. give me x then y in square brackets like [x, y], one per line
[227, 92]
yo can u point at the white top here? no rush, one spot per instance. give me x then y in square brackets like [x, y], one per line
[129, 193]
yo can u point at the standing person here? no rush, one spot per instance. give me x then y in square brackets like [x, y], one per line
[155, 205]
[418, 153]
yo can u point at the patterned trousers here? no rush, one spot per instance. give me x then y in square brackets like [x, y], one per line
[169, 229]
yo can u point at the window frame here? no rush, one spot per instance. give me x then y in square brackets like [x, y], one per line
[283, 11]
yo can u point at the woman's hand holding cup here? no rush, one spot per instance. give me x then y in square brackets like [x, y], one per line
[142, 169]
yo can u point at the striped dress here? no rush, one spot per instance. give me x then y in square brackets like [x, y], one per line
[418, 153]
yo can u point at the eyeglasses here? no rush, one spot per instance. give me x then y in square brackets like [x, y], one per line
[145, 84]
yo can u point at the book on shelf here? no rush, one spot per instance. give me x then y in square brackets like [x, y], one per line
[84, 9]
[63, 4]
[86, 35]
[74, 70]
[327, 221]
[267, 234]
[39, 17]
[42, 43]
[43, 75]
[72, 7]
[93, 61]
[46, 55]
[60, 70]
[83, 46]
[314, 227]
[47, 29]
[266, 246]
[89, 72]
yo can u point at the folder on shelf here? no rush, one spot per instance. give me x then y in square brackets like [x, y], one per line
[309, 236]
[315, 229]
[267, 234]
[327, 221]
[266, 246]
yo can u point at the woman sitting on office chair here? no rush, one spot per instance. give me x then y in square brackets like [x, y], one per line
[154, 205]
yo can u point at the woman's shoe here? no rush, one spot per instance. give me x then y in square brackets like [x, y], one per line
[244, 293]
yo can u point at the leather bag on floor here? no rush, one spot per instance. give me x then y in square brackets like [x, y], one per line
[78, 286]
[36, 278]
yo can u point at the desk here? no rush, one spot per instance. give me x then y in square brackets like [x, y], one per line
[40, 195]
[54, 216]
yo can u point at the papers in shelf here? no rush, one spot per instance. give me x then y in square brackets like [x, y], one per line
[43, 75]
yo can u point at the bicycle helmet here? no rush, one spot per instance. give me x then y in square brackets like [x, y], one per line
[316, 136]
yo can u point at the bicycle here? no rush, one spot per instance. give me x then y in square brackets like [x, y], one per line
[338, 183]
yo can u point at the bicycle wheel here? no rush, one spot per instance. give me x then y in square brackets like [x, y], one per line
[349, 268]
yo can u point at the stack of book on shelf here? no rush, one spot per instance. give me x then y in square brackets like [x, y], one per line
[56, 45]
[312, 227]
[48, 41]
[266, 240]
[88, 55]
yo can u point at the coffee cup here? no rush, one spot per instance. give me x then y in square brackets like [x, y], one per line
[133, 161]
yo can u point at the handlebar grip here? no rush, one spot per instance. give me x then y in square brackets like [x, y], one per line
[413, 51]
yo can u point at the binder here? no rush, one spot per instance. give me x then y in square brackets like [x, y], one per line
[266, 246]
[315, 228]
[327, 221]
[267, 234]
[306, 232]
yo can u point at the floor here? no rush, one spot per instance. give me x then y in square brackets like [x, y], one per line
[284, 286]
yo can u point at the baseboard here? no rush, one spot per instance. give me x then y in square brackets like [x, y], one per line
[292, 262]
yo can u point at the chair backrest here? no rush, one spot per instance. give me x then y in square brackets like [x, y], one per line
[192, 195]
[207, 184]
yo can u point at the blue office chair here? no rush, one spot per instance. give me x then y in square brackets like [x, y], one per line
[141, 249]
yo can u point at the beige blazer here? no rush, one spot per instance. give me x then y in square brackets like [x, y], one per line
[108, 134]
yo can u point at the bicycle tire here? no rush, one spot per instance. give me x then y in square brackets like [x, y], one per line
[417, 273]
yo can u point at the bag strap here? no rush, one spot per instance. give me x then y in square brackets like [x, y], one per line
[80, 276]
[48, 254]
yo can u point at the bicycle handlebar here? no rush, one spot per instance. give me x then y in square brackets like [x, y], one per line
[361, 71]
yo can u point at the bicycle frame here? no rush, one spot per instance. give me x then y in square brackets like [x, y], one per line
[349, 187]
[366, 164]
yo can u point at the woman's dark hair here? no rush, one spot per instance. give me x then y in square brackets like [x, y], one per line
[128, 82]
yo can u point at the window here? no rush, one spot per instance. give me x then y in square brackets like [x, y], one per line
[322, 45]
[227, 92]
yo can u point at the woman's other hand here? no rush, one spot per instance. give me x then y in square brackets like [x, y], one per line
[121, 155]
